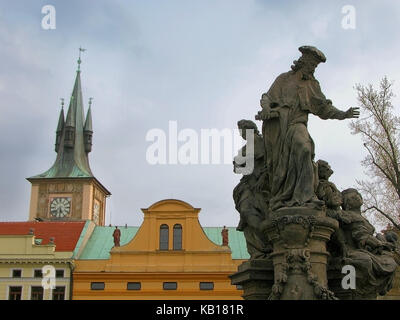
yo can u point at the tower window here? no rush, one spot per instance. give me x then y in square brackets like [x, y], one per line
[177, 237]
[164, 235]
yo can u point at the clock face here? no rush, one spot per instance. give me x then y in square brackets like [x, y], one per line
[60, 207]
[96, 212]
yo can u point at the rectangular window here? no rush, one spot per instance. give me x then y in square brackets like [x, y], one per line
[59, 273]
[170, 285]
[38, 273]
[164, 237]
[239, 287]
[206, 285]
[97, 285]
[17, 273]
[59, 293]
[15, 293]
[36, 293]
[134, 286]
[177, 245]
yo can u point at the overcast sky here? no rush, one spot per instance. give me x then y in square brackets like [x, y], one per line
[203, 64]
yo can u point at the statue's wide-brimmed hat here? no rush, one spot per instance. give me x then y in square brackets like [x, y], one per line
[313, 52]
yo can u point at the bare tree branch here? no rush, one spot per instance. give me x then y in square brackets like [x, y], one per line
[384, 214]
[379, 130]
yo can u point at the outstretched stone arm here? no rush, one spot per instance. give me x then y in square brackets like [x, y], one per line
[325, 109]
[328, 111]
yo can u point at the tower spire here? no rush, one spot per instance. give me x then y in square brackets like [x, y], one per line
[73, 137]
[79, 59]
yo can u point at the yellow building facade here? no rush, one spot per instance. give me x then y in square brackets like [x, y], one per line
[21, 270]
[169, 257]
[37, 258]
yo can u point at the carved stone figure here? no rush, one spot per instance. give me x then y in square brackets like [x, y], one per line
[328, 192]
[117, 236]
[289, 146]
[300, 229]
[225, 236]
[372, 258]
[250, 194]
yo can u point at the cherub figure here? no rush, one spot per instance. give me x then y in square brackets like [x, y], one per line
[327, 190]
[372, 258]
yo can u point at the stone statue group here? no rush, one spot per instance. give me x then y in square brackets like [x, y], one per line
[290, 213]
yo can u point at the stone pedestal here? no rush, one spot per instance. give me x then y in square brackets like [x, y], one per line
[299, 257]
[256, 277]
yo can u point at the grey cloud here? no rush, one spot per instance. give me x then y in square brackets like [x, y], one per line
[204, 64]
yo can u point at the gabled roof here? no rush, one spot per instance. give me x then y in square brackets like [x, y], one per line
[65, 234]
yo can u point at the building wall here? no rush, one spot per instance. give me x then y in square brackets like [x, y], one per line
[28, 280]
[152, 286]
[141, 260]
[20, 252]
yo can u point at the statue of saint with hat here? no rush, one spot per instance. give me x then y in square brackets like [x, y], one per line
[289, 147]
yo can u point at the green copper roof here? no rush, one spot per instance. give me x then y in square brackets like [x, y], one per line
[72, 161]
[88, 123]
[237, 242]
[60, 125]
[80, 240]
[101, 241]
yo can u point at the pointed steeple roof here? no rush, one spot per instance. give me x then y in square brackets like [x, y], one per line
[72, 161]
[88, 123]
[60, 125]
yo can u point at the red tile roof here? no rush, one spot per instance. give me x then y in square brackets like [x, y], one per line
[66, 234]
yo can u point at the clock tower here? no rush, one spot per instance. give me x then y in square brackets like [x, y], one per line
[68, 191]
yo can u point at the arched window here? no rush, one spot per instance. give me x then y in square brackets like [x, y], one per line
[177, 237]
[164, 234]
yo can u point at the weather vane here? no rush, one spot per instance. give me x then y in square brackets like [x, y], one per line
[79, 60]
[62, 103]
[90, 102]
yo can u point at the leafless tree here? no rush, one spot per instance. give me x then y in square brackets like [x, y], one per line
[379, 129]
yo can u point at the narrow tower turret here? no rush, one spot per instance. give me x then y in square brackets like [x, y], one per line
[60, 127]
[88, 130]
